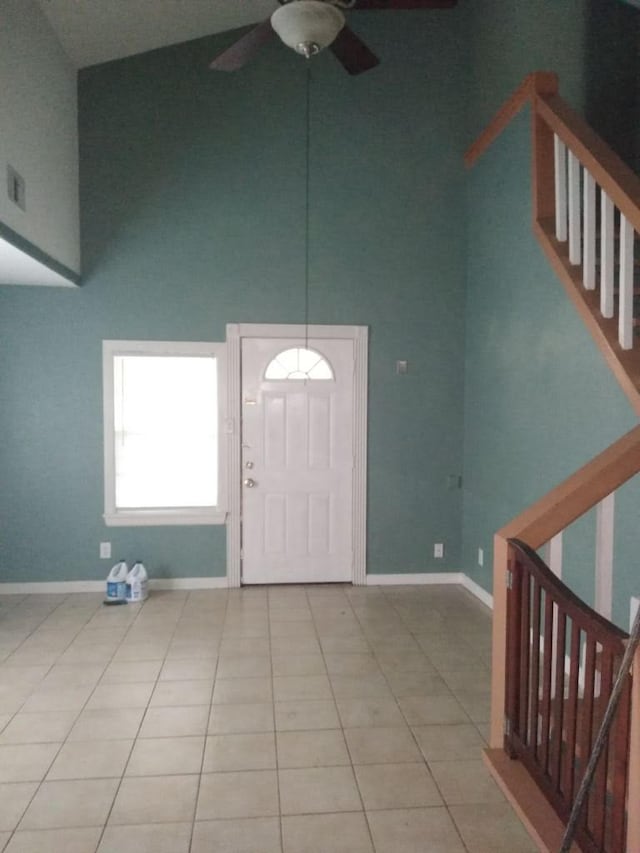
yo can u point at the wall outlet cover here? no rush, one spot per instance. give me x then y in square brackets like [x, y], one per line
[480, 557]
[438, 550]
[105, 550]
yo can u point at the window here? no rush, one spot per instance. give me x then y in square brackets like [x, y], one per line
[298, 363]
[162, 416]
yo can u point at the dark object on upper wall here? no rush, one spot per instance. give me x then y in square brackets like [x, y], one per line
[308, 26]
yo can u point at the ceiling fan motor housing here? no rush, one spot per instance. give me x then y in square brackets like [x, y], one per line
[307, 26]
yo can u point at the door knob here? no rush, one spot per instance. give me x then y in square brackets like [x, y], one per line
[249, 483]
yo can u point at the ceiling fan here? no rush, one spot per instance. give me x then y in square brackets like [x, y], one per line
[308, 26]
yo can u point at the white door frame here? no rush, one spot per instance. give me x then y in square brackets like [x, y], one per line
[360, 336]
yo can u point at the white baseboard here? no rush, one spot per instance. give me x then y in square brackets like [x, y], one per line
[475, 589]
[415, 578]
[39, 587]
[425, 578]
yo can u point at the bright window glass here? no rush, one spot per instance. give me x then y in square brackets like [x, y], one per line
[165, 431]
[298, 363]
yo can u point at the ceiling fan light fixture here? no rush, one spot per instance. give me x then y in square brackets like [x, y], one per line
[307, 26]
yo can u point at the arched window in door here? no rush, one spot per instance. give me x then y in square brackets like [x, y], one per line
[299, 363]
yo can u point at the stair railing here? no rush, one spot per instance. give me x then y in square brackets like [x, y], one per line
[586, 215]
[534, 527]
[562, 658]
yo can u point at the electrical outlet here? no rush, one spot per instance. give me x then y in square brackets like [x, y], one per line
[633, 609]
[480, 557]
[105, 550]
[438, 550]
[16, 188]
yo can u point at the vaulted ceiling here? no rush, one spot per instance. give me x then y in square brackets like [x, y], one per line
[93, 31]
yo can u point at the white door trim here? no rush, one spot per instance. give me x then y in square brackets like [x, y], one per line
[360, 336]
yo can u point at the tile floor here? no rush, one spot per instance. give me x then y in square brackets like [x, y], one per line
[319, 719]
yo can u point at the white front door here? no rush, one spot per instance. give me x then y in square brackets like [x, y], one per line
[297, 460]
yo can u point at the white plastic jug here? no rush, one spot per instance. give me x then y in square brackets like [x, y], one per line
[117, 581]
[137, 583]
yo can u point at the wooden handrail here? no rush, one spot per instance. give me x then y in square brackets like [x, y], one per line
[537, 83]
[578, 493]
[620, 182]
[541, 522]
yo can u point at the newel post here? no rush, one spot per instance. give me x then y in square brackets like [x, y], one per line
[542, 178]
[499, 642]
[633, 792]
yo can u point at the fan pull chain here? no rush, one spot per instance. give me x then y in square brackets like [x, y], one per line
[306, 205]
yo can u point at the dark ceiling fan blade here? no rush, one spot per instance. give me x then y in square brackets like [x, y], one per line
[244, 49]
[353, 53]
[405, 4]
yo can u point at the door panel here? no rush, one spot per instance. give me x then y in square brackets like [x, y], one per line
[297, 458]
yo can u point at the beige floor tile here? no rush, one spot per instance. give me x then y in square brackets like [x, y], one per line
[57, 699]
[120, 696]
[449, 743]
[20, 676]
[182, 649]
[13, 698]
[292, 630]
[26, 762]
[38, 728]
[14, 799]
[244, 835]
[141, 651]
[476, 703]
[465, 782]
[244, 667]
[107, 724]
[188, 670]
[381, 745]
[4, 721]
[298, 665]
[66, 804]
[356, 713]
[229, 719]
[190, 720]
[456, 680]
[76, 675]
[240, 752]
[146, 838]
[318, 789]
[351, 664]
[491, 828]
[345, 645]
[417, 684]
[404, 662]
[432, 710]
[289, 688]
[327, 833]
[301, 716]
[55, 841]
[126, 672]
[240, 646]
[414, 831]
[360, 686]
[178, 693]
[98, 759]
[252, 793]
[396, 786]
[155, 799]
[323, 748]
[166, 756]
[234, 691]
[303, 646]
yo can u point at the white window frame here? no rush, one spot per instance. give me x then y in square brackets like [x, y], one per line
[129, 517]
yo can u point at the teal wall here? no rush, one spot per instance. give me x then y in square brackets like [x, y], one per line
[192, 217]
[539, 400]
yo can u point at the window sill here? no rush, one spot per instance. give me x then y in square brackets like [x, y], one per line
[163, 518]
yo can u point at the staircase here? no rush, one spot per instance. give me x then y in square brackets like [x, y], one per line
[546, 700]
[586, 217]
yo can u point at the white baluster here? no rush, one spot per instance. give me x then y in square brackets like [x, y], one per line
[574, 209]
[589, 232]
[606, 255]
[560, 160]
[625, 307]
[605, 513]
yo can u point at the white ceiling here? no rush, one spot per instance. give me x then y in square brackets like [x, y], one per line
[93, 31]
[16, 267]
